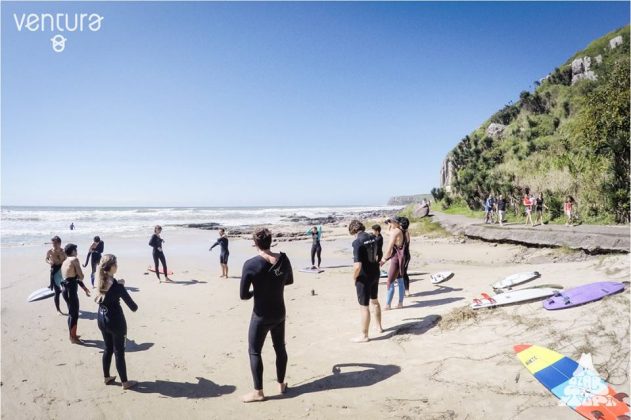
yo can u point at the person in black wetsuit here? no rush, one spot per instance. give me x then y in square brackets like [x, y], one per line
[73, 278]
[55, 257]
[316, 248]
[156, 243]
[268, 273]
[111, 319]
[366, 276]
[94, 255]
[224, 254]
[376, 230]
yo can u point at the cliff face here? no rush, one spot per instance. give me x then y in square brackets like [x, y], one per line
[551, 139]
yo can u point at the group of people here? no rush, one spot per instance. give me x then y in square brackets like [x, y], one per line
[495, 209]
[66, 276]
[263, 279]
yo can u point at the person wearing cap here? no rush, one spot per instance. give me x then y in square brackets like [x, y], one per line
[73, 278]
[55, 257]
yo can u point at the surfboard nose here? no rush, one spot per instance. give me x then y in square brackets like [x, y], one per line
[521, 347]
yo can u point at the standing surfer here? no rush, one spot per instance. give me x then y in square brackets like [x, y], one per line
[55, 257]
[73, 278]
[156, 243]
[316, 248]
[94, 255]
[224, 254]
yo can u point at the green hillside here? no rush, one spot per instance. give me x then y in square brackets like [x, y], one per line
[563, 138]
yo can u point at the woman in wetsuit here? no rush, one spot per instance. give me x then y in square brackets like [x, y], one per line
[395, 253]
[73, 278]
[156, 243]
[55, 257]
[94, 255]
[316, 248]
[224, 254]
[267, 273]
[111, 319]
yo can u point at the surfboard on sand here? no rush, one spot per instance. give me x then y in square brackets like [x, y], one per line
[578, 387]
[311, 270]
[515, 296]
[516, 279]
[582, 294]
[39, 294]
[441, 276]
[153, 270]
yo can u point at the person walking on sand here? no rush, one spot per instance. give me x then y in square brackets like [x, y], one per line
[73, 278]
[156, 243]
[489, 205]
[366, 276]
[224, 253]
[316, 248]
[395, 252]
[55, 257]
[111, 319]
[268, 273]
[568, 209]
[94, 255]
[539, 207]
[405, 224]
[501, 209]
[527, 202]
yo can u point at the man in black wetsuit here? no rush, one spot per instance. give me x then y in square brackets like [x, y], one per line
[366, 276]
[376, 230]
[316, 248]
[267, 273]
[55, 257]
[224, 254]
[94, 255]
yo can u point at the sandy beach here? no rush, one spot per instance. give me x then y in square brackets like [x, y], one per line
[187, 343]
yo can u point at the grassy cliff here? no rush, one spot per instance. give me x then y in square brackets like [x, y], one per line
[563, 138]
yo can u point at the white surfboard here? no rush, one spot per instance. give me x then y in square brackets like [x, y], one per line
[39, 294]
[383, 274]
[441, 276]
[516, 279]
[515, 296]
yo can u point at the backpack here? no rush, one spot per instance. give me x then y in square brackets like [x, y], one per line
[372, 250]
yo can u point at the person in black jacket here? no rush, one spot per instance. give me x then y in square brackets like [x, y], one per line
[267, 273]
[111, 319]
[156, 243]
[94, 255]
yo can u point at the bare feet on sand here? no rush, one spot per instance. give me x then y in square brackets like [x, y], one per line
[109, 380]
[283, 387]
[360, 339]
[75, 340]
[254, 396]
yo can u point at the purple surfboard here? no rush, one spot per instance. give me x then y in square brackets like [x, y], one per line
[582, 294]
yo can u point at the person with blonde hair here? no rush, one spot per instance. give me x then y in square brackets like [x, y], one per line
[111, 319]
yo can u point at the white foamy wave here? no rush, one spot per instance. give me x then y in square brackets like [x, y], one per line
[29, 225]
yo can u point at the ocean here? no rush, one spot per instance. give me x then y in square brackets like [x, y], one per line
[21, 226]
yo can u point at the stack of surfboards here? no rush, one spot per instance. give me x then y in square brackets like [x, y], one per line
[441, 276]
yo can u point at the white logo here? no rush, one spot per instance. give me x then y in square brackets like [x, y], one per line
[59, 43]
[58, 22]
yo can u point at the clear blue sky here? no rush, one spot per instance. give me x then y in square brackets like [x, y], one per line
[224, 104]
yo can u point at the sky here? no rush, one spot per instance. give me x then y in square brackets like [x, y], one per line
[265, 104]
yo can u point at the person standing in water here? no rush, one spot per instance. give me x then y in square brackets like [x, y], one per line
[72, 226]
[366, 276]
[111, 319]
[268, 273]
[224, 254]
[94, 255]
[73, 278]
[55, 257]
[156, 243]
[316, 248]
[395, 253]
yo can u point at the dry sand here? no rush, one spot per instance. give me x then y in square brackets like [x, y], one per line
[187, 343]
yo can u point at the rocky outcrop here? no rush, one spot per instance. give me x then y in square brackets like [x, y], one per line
[446, 174]
[581, 69]
[592, 239]
[614, 42]
[495, 130]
